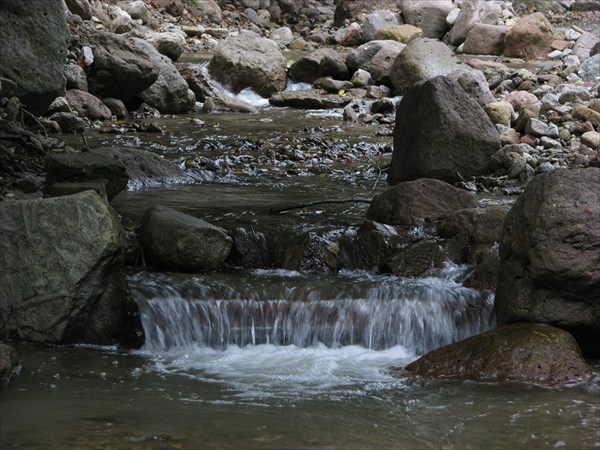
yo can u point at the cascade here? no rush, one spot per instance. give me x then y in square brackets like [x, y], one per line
[286, 308]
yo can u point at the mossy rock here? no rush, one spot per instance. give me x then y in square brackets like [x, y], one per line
[523, 352]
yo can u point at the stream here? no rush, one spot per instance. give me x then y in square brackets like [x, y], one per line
[276, 358]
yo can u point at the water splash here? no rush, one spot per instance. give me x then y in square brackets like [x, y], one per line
[219, 310]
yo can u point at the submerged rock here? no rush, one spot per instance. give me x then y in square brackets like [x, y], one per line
[9, 359]
[530, 353]
[175, 240]
[63, 277]
[550, 256]
[310, 99]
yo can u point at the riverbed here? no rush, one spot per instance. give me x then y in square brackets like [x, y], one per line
[272, 392]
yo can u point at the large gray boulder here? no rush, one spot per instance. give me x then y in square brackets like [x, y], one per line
[423, 58]
[381, 64]
[34, 40]
[175, 240]
[361, 56]
[63, 278]
[550, 256]
[525, 352]
[120, 68]
[170, 93]
[428, 15]
[419, 202]
[249, 61]
[441, 132]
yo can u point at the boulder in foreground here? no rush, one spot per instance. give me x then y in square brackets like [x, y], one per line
[63, 277]
[524, 352]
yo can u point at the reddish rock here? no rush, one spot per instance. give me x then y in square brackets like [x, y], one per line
[419, 202]
[530, 38]
[525, 352]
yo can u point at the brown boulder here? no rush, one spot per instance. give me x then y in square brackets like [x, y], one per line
[419, 202]
[530, 353]
[550, 256]
[530, 38]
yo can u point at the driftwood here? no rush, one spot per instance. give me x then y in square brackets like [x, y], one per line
[318, 202]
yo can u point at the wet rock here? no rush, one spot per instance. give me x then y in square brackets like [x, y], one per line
[69, 122]
[418, 202]
[480, 225]
[550, 263]
[417, 260]
[145, 168]
[249, 61]
[462, 140]
[9, 359]
[422, 59]
[429, 15]
[250, 249]
[310, 99]
[120, 68]
[116, 106]
[376, 21]
[224, 103]
[37, 67]
[179, 241]
[170, 94]
[333, 86]
[529, 353]
[304, 252]
[87, 166]
[76, 293]
[69, 188]
[486, 39]
[530, 38]
[87, 105]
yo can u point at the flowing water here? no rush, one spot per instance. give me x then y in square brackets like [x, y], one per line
[273, 358]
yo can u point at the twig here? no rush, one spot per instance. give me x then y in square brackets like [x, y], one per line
[36, 119]
[318, 202]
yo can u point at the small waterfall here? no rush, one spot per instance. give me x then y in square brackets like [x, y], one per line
[374, 312]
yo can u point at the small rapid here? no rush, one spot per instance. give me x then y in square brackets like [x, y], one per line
[286, 308]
